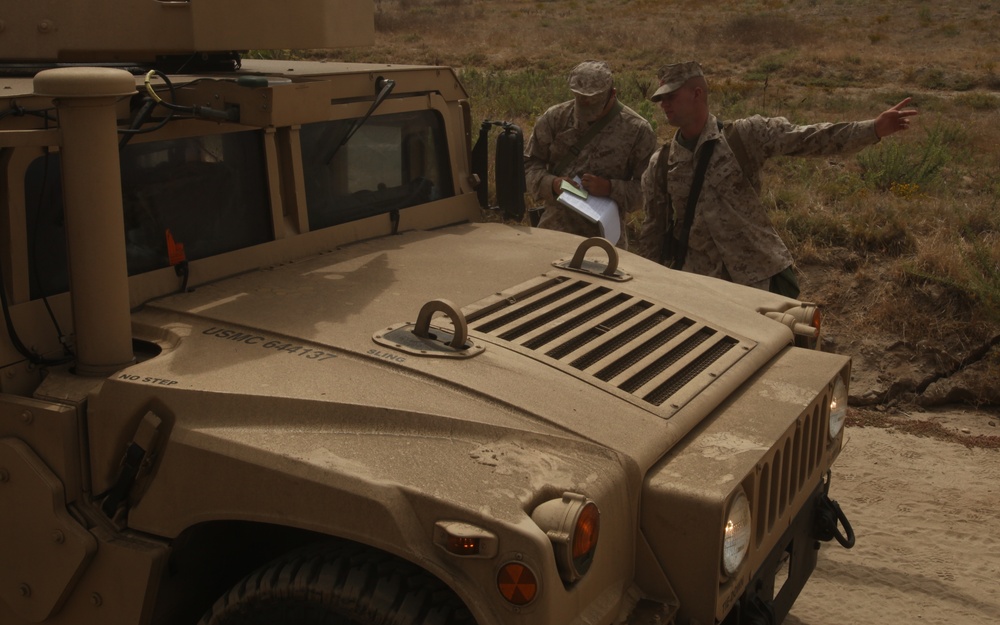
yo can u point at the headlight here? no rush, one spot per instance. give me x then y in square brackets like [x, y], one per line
[573, 524]
[736, 534]
[838, 407]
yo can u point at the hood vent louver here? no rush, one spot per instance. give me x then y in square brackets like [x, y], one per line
[642, 351]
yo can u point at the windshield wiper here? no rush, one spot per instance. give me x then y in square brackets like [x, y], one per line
[384, 87]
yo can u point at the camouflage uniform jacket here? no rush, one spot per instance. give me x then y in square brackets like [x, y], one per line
[619, 152]
[732, 236]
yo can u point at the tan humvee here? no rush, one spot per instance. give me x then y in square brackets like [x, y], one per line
[263, 363]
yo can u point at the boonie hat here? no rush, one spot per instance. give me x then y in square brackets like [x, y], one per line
[590, 78]
[673, 77]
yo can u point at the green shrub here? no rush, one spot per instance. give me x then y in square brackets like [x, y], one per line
[978, 101]
[767, 29]
[924, 17]
[526, 94]
[950, 30]
[977, 277]
[505, 95]
[894, 163]
[732, 96]
[933, 79]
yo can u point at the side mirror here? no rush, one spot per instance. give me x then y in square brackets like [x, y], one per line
[509, 169]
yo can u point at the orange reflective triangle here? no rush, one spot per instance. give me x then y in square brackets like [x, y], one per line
[517, 584]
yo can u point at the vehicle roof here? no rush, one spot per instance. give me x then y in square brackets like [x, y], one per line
[430, 77]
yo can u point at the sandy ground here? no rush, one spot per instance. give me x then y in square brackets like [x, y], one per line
[926, 514]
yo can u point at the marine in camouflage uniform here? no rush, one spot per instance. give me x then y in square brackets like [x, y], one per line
[610, 164]
[732, 237]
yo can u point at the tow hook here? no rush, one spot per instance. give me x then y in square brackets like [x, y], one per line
[829, 516]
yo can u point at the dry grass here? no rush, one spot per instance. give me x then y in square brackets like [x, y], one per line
[913, 224]
[949, 42]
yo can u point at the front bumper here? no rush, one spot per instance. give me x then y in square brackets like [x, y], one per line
[783, 573]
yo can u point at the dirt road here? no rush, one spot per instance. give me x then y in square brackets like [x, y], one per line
[926, 514]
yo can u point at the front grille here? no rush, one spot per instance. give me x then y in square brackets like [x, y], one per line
[789, 472]
[644, 351]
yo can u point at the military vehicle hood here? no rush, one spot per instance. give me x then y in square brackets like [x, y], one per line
[310, 330]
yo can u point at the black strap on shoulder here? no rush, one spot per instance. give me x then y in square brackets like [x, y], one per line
[735, 142]
[699, 177]
[584, 139]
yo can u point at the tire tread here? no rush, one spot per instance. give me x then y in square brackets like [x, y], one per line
[342, 585]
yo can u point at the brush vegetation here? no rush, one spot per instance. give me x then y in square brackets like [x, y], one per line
[914, 220]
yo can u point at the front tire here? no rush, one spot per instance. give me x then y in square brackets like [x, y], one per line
[339, 585]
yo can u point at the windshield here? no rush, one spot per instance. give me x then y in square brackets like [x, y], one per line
[391, 162]
[209, 193]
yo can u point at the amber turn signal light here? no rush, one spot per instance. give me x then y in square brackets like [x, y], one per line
[463, 539]
[588, 525]
[573, 525]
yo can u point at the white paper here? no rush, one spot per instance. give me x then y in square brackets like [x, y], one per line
[600, 210]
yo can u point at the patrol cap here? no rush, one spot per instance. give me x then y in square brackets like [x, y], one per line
[673, 77]
[590, 78]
